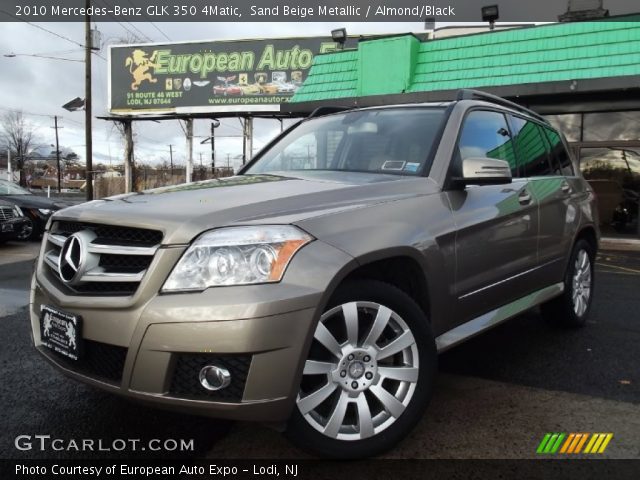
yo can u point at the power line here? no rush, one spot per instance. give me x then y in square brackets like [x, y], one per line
[120, 23]
[161, 32]
[42, 28]
[144, 35]
[152, 24]
[43, 56]
[17, 110]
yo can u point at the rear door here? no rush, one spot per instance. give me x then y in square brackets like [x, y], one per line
[497, 225]
[549, 187]
[559, 223]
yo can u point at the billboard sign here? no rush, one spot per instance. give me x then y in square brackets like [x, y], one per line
[210, 76]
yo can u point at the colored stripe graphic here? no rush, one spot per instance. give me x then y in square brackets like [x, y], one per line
[581, 443]
[550, 443]
[573, 443]
[598, 443]
[543, 443]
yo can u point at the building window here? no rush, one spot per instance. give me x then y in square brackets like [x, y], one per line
[614, 175]
[607, 126]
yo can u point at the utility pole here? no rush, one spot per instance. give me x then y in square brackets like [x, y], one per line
[171, 158]
[247, 144]
[87, 103]
[213, 149]
[189, 169]
[55, 125]
[9, 174]
[128, 156]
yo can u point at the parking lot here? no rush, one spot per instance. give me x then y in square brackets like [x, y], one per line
[496, 395]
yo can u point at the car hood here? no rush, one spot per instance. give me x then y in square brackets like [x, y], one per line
[183, 211]
[34, 201]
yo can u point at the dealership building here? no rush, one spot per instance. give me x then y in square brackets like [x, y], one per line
[584, 77]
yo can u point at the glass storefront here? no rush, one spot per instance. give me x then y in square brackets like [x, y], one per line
[607, 146]
[614, 174]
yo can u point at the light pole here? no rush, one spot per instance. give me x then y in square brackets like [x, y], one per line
[87, 103]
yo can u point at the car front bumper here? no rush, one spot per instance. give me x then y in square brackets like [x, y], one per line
[152, 350]
[9, 229]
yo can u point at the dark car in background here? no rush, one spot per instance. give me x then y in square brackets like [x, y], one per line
[12, 222]
[36, 210]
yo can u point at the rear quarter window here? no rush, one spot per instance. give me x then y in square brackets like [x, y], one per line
[559, 153]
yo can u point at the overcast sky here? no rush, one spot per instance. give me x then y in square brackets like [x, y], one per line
[39, 87]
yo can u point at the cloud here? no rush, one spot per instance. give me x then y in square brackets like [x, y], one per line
[40, 86]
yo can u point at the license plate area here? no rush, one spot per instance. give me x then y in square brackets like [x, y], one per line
[61, 332]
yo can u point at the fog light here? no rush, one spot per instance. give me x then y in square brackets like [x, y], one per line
[214, 378]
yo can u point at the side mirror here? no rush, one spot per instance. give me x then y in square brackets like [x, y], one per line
[484, 171]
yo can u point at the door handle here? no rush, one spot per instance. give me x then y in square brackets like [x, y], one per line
[524, 197]
[565, 187]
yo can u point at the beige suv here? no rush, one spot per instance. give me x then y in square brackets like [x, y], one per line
[314, 290]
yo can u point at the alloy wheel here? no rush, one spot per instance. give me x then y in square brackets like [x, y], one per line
[581, 283]
[361, 373]
[27, 231]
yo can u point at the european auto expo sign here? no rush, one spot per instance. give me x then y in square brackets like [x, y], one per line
[243, 75]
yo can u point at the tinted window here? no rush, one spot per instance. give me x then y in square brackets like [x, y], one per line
[390, 140]
[559, 152]
[533, 158]
[569, 123]
[485, 134]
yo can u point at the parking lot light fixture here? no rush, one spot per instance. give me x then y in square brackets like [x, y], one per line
[339, 36]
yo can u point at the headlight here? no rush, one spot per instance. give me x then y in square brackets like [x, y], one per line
[236, 256]
[17, 211]
[45, 211]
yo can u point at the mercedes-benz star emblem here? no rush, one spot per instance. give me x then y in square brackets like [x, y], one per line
[74, 260]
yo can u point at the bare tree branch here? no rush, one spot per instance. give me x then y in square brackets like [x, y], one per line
[19, 136]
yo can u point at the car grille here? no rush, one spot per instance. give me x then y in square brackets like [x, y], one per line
[111, 234]
[99, 360]
[121, 257]
[6, 213]
[185, 382]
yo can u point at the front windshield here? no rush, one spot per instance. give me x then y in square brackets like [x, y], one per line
[9, 188]
[389, 140]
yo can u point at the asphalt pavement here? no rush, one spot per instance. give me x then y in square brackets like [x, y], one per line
[495, 397]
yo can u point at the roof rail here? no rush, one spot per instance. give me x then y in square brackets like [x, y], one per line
[469, 94]
[320, 111]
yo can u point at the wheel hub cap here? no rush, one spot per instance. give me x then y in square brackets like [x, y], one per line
[356, 370]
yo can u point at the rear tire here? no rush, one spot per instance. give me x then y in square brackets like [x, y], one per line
[369, 373]
[571, 309]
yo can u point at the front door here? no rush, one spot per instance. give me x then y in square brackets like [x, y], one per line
[497, 225]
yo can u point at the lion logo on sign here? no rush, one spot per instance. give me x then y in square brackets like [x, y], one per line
[71, 335]
[142, 65]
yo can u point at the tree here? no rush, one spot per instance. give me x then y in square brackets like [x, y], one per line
[19, 136]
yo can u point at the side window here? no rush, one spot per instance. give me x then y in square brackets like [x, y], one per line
[559, 152]
[533, 158]
[485, 134]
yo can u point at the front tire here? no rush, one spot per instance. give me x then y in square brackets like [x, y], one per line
[369, 373]
[29, 232]
[571, 309]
